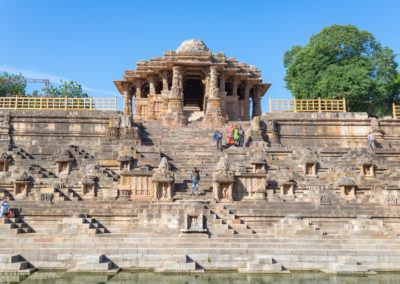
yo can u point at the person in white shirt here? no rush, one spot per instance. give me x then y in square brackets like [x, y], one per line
[4, 207]
[371, 141]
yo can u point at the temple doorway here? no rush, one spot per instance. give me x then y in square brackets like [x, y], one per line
[193, 94]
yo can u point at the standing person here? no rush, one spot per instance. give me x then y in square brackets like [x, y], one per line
[218, 139]
[4, 207]
[230, 132]
[195, 177]
[241, 136]
[371, 141]
[236, 135]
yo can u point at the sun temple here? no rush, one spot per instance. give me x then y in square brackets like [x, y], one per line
[101, 191]
[192, 81]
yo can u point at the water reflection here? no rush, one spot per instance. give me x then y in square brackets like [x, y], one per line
[220, 278]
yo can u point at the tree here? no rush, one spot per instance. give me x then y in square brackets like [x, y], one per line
[343, 62]
[11, 85]
[67, 89]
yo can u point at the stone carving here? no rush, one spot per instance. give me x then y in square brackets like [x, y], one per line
[46, 195]
[174, 115]
[258, 163]
[391, 199]
[5, 127]
[176, 89]
[222, 166]
[21, 185]
[24, 177]
[136, 184]
[255, 133]
[324, 199]
[223, 180]
[5, 160]
[347, 187]
[163, 182]
[89, 186]
[163, 167]
[367, 167]
[310, 166]
[125, 162]
[64, 162]
[194, 224]
[114, 128]
[272, 132]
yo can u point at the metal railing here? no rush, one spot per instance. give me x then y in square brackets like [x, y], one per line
[396, 111]
[58, 103]
[307, 105]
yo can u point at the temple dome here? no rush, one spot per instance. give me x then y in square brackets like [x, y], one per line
[192, 46]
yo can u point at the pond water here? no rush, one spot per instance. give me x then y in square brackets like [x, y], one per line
[208, 277]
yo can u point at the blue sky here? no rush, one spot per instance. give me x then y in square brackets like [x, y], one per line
[93, 42]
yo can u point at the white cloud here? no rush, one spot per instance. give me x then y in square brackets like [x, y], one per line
[54, 79]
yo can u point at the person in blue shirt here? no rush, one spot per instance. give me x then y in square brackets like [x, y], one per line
[218, 139]
[195, 176]
[4, 207]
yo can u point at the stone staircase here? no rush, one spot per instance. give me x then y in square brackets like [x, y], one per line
[16, 225]
[15, 263]
[190, 147]
[132, 243]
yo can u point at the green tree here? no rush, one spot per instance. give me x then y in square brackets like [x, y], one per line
[11, 85]
[69, 89]
[342, 61]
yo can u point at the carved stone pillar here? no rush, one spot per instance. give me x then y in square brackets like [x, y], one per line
[152, 88]
[222, 94]
[138, 85]
[234, 111]
[164, 78]
[234, 87]
[213, 116]
[257, 104]
[174, 115]
[127, 109]
[244, 105]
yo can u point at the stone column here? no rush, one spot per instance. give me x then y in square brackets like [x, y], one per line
[138, 98]
[138, 85]
[152, 88]
[206, 87]
[213, 116]
[222, 94]
[127, 109]
[234, 87]
[257, 103]
[164, 78]
[244, 105]
[174, 115]
[235, 110]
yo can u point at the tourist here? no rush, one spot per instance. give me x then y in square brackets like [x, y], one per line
[236, 136]
[371, 141]
[241, 136]
[230, 133]
[4, 207]
[218, 139]
[195, 176]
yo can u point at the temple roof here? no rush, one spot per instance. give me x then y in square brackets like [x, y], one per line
[195, 54]
[191, 46]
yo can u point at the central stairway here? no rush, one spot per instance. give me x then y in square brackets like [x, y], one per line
[185, 148]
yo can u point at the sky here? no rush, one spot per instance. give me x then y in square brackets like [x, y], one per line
[94, 42]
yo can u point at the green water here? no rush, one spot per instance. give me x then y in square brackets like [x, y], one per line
[220, 278]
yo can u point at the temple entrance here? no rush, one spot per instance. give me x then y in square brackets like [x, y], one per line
[193, 94]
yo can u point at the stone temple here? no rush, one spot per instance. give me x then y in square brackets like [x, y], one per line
[102, 191]
[192, 82]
